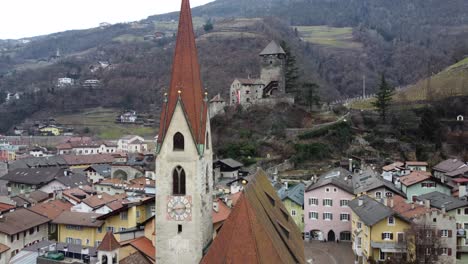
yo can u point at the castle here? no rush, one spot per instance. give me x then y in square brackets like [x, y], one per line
[270, 87]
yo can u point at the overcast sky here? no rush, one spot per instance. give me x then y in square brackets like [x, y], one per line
[27, 18]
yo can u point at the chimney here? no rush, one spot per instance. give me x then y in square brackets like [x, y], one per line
[99, 196]
[360, 202]
[427, 203]
[93, 219]
[412, 206]
[351, 165]
[444, 210]
[148, 182]
[286, 185]
[216, 206]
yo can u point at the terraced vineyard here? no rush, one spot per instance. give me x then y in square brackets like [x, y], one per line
[334, 37]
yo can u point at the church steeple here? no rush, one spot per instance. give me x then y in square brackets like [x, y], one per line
[186, 85]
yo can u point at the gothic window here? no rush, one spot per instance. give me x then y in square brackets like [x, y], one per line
[179, 144]
[178, 181]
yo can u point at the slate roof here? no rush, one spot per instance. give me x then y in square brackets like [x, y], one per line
[78, 219]
[337, 177]
[33, 176]
[258, 230]
[294, 193]
[369, 180]
[272, 48]
[38, 196]
[458, 172]
[371, 211]
[73, 180]
[415, 177]
[21, 200]
[449, 165]
[109, 243]
[33, 162]
[186, 78]
[231, 163]
[21, 220]
[103, 169]
[438, 200]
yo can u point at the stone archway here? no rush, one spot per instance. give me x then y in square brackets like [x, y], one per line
[331, 236]
[120, 174]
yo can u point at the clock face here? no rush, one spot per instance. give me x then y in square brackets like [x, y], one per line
[179, 208]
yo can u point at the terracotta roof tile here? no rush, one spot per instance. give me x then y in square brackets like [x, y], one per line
[21, 220]
[416, 163]
[135, 258]
[51, 209]
[415, 177]
[3, 248]
[393, 166]
[258, 230]
[142, 244]
[75, 194]
[186, 78]
[408, 210]
[78, 219]
[222, 213]
[6, 207]
[235, 197]
[99, 200]
[109, 243]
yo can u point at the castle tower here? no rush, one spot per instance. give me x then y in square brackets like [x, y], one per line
[273, 69]
[184, 158]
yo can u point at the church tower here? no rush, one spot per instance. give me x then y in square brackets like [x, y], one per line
[184, 158]
[273, 67]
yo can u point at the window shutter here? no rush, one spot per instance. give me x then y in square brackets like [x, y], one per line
[441, 233]
[391, 236]
[331, 216]
[450, 233]
[383, 236]
[323, 202]
[449, 251]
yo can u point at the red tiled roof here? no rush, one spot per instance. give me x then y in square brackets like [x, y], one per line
[258, 230]
[186, 78]
[142, 244]
[73, 160]
[416, 163]
[235, 197]
[72, 193]
[393, 166]
[51, 209]
[408, 210]
[222, 213]
[460, 180]
[415, 177]
[109, 243]
[6, 207]
[3, 248]
[99, 200]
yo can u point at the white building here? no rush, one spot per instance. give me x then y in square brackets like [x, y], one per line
[132, 144]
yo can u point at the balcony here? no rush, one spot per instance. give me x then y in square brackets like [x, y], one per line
[390, 247]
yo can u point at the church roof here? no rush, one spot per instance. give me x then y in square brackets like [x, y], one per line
[186, 79]
[258, 230]
[109, 243]
[272, 48]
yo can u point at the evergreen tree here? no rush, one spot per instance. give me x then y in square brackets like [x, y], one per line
[383, 98]
[291, 70]
[208, 26]
[309, 94]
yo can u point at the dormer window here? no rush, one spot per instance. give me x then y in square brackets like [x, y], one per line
[178, 142]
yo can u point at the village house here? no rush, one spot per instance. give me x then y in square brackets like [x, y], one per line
[226, 168]
[51, 210]
[368, 182]
[427, 219]
[217, 105]
[422, 182]
[132, 144]
[21, 181]
[378, 231]
[449, 167]
[293, 199]
[456, 208]
[65, 82]
[98, 172]
[128, 117]
[19, 229]
[416, 165]
[86, 148]
[50, 130]
[327, 214]
[95, 202]
[393, 171]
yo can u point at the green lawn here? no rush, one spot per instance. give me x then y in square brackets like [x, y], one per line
[329, 36]
[101, 123]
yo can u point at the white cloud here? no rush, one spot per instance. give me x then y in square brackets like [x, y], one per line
[26, 18]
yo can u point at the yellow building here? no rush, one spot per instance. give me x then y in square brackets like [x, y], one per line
[89, 229]
[50, 130]
[378, 232]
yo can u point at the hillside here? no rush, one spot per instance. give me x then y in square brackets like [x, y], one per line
[336, 43]
[451, 82]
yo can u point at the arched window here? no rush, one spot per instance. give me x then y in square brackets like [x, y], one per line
[178, 181]
[207, 178]
[207, 143]
[178, 142]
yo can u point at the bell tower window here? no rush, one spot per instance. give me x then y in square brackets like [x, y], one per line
[178, 142]
[178, 181]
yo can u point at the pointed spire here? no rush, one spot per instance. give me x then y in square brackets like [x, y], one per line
[186, 85]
